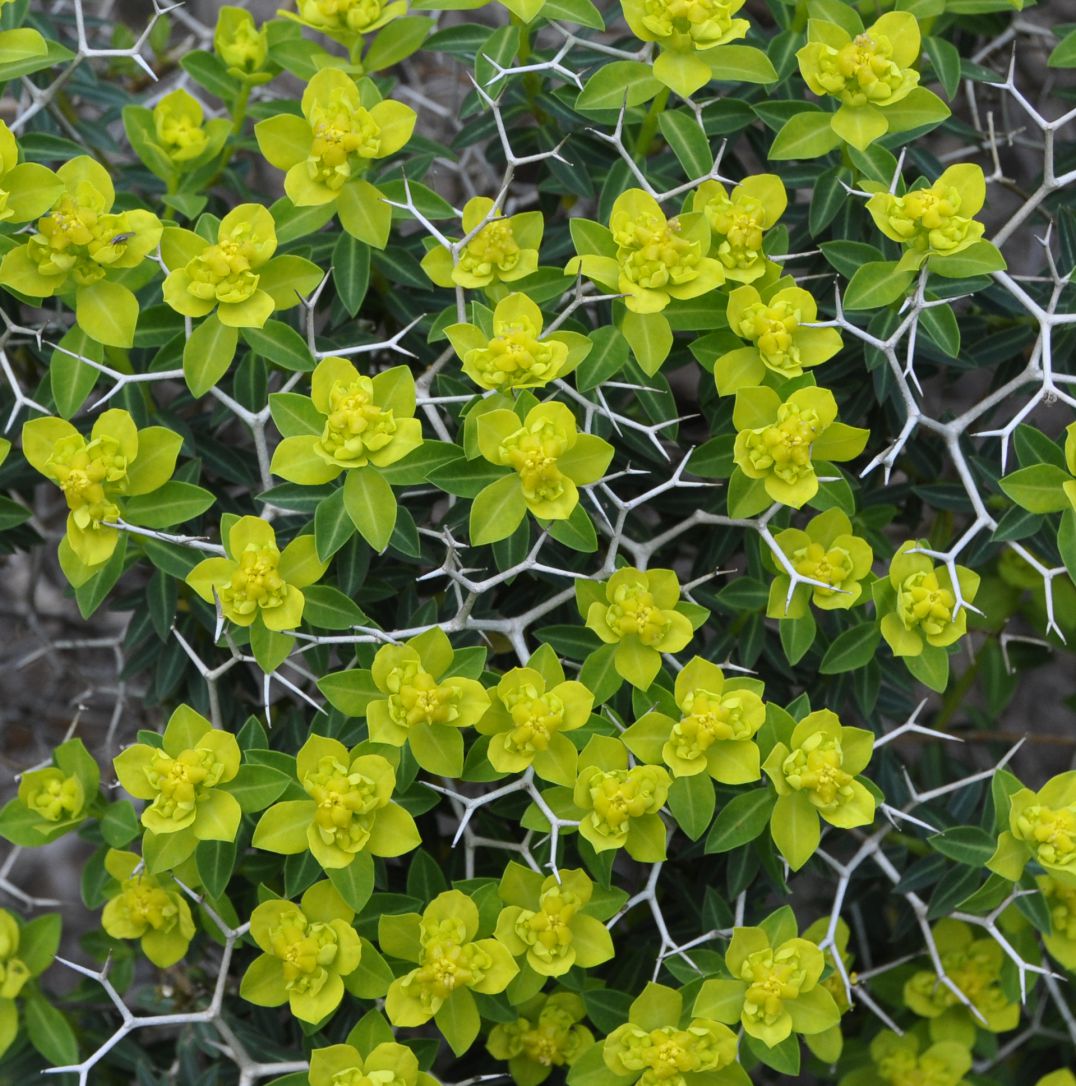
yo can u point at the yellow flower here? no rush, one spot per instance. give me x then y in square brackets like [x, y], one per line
[517, 355]
[1042, 827]
[527, 721]
[774, 991]
[349, 813]
[657, 259]
[974, 966]
[178, 121]
[685, 24]
[256, 580]
[773, 322]
[739, 220]
[548, 1034]
[620, 804]
[503, 250]
[307, 951]
[118, 461]
[242, 46]
[902, 1060]
[685, 31]
[715, 732]
[149, 908]
[184, 779]
[866, 74]
[80, 240]
[777, 440]
[450, 961]
[27, 189]
[344, 19]
[336, 139]
[815, 777]
[640, 612]
[1061, 901]
[549, 460]
[545, 921]
[365, 422]
[422, 706]
[936, 220]
[225, 275]
[826, 550]
[917, 603]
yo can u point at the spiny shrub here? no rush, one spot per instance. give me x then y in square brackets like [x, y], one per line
[552, 482]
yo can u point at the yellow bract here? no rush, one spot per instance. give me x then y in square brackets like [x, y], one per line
[937, 220]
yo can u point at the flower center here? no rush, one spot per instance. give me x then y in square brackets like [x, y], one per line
[55, 796]
[921, 601]
[784, 449]
[770, 328]
[416, 698]
[181, 783]
[833, 566]
[355, 426]
[493, 249]
[344, 800]
[1050, 832]
[533, 451]
[256, 581]
[622, 794]
[862, 71]
[633, 611]
[815, 768]
[773, 976]
[652, 254]
[536, 718]
[691, 23]
[145, 905]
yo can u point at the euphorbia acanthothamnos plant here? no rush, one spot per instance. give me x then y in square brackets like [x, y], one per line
[149, 908]
[81, 248]
[97, 477]
[548, 1034]
[348, 816]
[774, 988]
[308, 951]
[815, 778]
[716, 729]
[451, 965]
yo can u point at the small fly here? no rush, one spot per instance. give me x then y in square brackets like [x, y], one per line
[119, 239]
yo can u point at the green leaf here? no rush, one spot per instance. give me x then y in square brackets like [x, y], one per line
[255, 787]
[208, 354]
[333, 526]
[613, 85]
[606, 359]
[945, 59]
[215, 861]
[280, 343]
[1064, 53]
[931, 667]
[688, 142]
[692, 801]
[966, 844]
[876, 284]
[371, 505]
[497, 510]
[1066, 541]
[650, 339]
[364, 214]
[797, 636]
[351, 271]
[804, 135]
[740, 64]
[576, 532]
[599, 674]
[119, 824]
[172, 503]
[49, 1031]
[981, 258]
[741, 820]
[1038, 489]
[783, 1057]
[71, 379]
[354, 883]
[107, 312]
[852, 649]
[327, 608]
[458, 1020]
[396, 42]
